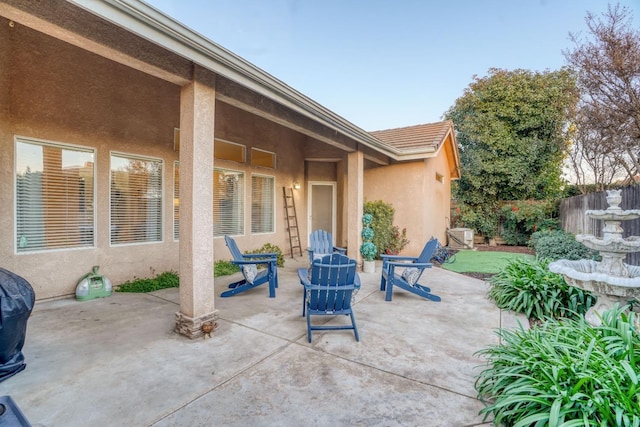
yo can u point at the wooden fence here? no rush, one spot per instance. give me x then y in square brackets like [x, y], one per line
[574, 220]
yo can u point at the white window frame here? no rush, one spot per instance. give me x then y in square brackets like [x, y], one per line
[131, 156]
[62, 146]
[273, 204]
[242, 204]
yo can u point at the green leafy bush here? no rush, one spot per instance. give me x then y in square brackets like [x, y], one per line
[564, 373]
[556, 244]
[522, 218]
[268, 248]
[387, 237]
[224, 268]
[527, 286]
[482, 219]
[168, 279]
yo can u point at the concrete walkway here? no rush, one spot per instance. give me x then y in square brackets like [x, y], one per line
[117, 361]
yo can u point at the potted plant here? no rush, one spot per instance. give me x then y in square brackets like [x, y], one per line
[368, 250]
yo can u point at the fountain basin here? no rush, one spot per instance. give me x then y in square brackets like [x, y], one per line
[611, 244]
[613, 214]
[613, 281]
[584, 274]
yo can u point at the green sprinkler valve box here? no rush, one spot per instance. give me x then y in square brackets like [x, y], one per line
[93, 285]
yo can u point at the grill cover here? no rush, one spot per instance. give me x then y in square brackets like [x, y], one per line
[16, 302]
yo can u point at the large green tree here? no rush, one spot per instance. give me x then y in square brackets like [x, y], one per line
[511, 133]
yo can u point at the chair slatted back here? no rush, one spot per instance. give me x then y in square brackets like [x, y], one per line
[428, 251]
[233, 248]
[327, 276]
[321, 242]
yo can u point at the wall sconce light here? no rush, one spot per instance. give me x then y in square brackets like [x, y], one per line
[296, 185]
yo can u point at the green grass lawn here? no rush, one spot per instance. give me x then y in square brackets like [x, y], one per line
[481, 262]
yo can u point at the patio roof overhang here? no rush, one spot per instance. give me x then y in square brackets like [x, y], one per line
[151, 25]
[158, 34]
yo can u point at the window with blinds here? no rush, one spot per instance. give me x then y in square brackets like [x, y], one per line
[228, 202]
[54, 196]
[176, 200]
[136, 199]
[262, 204]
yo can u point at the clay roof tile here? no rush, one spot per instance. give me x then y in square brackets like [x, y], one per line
[415, 137]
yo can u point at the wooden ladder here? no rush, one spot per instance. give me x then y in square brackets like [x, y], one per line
[292, 220]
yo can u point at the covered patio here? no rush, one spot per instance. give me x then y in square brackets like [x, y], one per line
[117, 361]
[132, 143]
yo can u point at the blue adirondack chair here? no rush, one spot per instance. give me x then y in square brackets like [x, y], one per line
[407, 279]
[321, 244]
[328, 290]
[248, 266]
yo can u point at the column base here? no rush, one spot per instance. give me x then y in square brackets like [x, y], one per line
[196, 327]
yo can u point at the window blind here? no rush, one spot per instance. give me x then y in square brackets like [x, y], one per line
[136, 199]
[228, 202]
[262, 204]
[54, 196]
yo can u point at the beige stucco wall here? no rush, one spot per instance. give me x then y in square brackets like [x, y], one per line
[53, 91]
[241, 127]
[421, 202]
[60, 93]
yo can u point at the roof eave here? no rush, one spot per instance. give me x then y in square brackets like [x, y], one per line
[161, 29]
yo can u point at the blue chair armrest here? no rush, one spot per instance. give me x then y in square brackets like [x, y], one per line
[303, 275]
[253, 261]
[340, 250]
[398, 257]
[410, 265]
[265, 255]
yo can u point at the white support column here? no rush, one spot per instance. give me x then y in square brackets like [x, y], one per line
[197, 113]
[354, 203]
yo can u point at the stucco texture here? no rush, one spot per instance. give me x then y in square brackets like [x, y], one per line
[58, 92]
[420, 199]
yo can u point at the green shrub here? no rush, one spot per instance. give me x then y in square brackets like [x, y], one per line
[168, 279]
[527, 286]
[268, 248]
[224, 268]
[481, 219]
[387, 238]
[522, 218]
[564, 373]
[556, 244]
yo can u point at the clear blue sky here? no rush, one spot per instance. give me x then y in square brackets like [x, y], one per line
[389, 63]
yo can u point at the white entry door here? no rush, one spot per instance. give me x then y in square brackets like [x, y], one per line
[322, 207]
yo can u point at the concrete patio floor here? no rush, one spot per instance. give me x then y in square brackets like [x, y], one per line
[117, 361]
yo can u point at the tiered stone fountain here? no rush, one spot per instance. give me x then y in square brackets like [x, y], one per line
[611, 280]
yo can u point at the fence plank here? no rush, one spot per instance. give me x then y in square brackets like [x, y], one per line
[574, 220]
